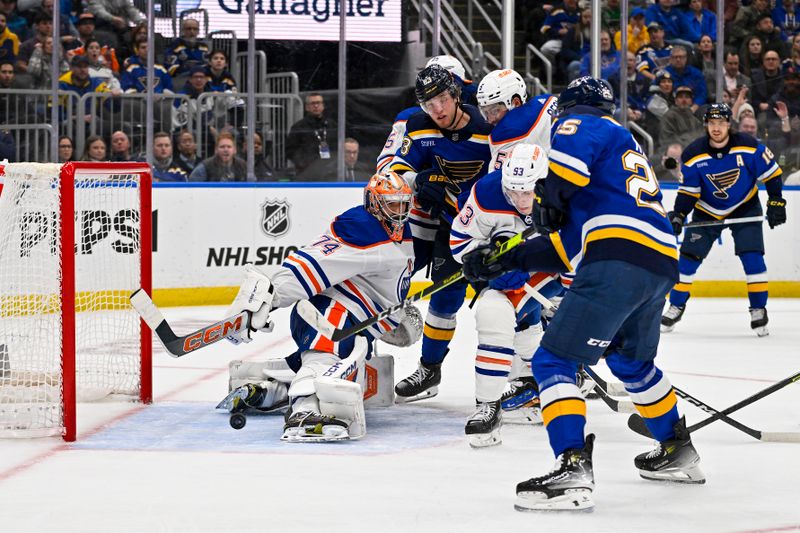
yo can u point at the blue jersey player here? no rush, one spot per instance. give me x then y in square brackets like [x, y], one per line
[721, 173]
[444, 152]
[600, 206]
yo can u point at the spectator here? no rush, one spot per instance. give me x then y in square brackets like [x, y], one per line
[44, 28]
[164, 168]
[704, 59]
[67, 31]
[679, 124]
[749, 126]
[119, 15]
[355, 170]
[556, 26]
[313, 137]
[676, 28]
[669, 166]
[135, 75]
[86, 31]
[684, 75]
[637, 32]
[223, 165]
[9, 42]
[40, 63]
[653, 57]
[733, 79]
[261, 169]
[751, 54]
[784, 17]
[701, 20]
[658, 103]
[219, 79]
[14, 108]
[187, 152]
[745, 21]
[609, 58]
[78, 80]
[102, 63]
[16, 23]
[770, 35]
[792, 63]
[638, 89]
[121, 147]
[783, 114]
[610, 16]
[575, 44]
[767, 81]
[95, 149]
[66, 149]
[187, 51]
[8, 78]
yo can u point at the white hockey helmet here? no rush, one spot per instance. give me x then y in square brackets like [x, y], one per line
[501, 86]
[448, 63]
[526, 164]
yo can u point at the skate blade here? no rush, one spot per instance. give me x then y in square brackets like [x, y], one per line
[762, 331]
[295, 435]
[687, 476]
[666, 329]
[524, 416]
[484, 440]
[579, 500]
[430, 393]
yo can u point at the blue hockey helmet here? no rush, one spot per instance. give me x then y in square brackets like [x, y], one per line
[588, 91]
[434, 80]
[717, 111]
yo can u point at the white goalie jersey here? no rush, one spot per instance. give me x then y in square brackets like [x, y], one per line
[354, 263]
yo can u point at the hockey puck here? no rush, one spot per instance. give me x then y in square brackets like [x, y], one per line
[238, 420]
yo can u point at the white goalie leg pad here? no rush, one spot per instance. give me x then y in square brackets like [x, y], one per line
[378, 381]
[255, 295]
[243, 372]
[525, 344]
[344, 400]
[494, 319]
[315, 364]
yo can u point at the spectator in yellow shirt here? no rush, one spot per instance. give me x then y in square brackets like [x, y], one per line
[637, 31]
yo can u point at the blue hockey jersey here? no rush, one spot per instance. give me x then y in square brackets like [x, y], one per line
[717, 181]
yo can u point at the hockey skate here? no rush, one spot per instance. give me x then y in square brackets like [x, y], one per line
[673, 460]
[483, 427]
[423, 383]
[308, 426]
[672, 317]
[568, 487]
[521, 403]
[759, 320]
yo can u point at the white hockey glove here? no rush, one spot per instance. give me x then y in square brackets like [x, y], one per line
[409, 331]
[255, 295]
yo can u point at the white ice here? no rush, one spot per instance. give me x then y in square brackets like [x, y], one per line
[176, 465]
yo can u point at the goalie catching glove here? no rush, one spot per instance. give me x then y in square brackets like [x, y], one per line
[255, 295]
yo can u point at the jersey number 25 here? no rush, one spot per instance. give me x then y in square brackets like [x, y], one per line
[643, 180]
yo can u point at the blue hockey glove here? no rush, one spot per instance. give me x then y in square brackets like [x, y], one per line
[431, 188]
[546, 218]
[510, 281]
[776, 211]
[676, 219]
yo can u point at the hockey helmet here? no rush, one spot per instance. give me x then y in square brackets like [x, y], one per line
[721, 111]
[588, 91]
[500, 87]
[527, 164]
[450, 63]
[433, 81]
[387, 197]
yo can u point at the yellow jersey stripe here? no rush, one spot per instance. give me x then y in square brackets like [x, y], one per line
[560, 250]
[687, 193]
[742, 149]
[697, 159]
[568, 174]
[631, 235]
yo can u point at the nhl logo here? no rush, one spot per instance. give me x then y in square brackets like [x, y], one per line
[275, 218]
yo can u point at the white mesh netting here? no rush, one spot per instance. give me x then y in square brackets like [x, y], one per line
[107, 270]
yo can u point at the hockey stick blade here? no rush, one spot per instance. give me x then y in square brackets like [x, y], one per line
[636, 423]
[618, 406]
[337, 335]
[723, 222]
[178, 346]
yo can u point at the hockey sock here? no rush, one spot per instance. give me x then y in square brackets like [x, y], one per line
[756, 271]
[687, 267]
[492, 364]
[440, 322]
[563, 407]
[650, 391]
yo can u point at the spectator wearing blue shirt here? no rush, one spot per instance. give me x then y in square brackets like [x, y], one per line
[556, 26]
[684, 75]
[187, 51]
[652, 58]
[673, 21]
[609, 58]
[164, 168]
[701, 21]
[220, 80]
[9, 42]
[784, 16]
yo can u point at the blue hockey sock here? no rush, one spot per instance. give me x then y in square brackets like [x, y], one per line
[756, 270]
[687, 267]
[563, 407]
[440, 322]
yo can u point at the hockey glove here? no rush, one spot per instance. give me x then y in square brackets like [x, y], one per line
[431, 188]
[475, 266]
[776, 211]
[510, 281]
[676, 219]
[546, 218]
[255, 295]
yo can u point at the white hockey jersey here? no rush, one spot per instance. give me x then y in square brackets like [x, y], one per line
[395, 138]
[354, 263]
[529, 123]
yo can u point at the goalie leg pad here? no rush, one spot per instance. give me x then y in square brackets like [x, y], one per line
[315, 364]
[243, 372]
[343, 400]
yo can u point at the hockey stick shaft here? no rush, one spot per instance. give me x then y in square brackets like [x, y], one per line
[724, 222]
[337, 335]
[618, 406]
[178, 346]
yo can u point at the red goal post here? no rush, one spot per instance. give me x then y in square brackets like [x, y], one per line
[67, 330]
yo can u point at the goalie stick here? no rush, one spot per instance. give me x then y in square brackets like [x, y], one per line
[178, 346]
[637, 424]
[335, 334]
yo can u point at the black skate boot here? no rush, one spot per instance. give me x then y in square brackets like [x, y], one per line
[673, 460]
[672, 317]
[521, 403]
[423, 383]
[308, 426]
[759, 321]
[568, 487]
[483, 427]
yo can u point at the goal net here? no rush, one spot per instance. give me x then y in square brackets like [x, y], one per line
[74, 243]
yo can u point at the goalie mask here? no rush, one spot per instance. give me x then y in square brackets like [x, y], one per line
[496, 93]
[527, 164]
[387, 197]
